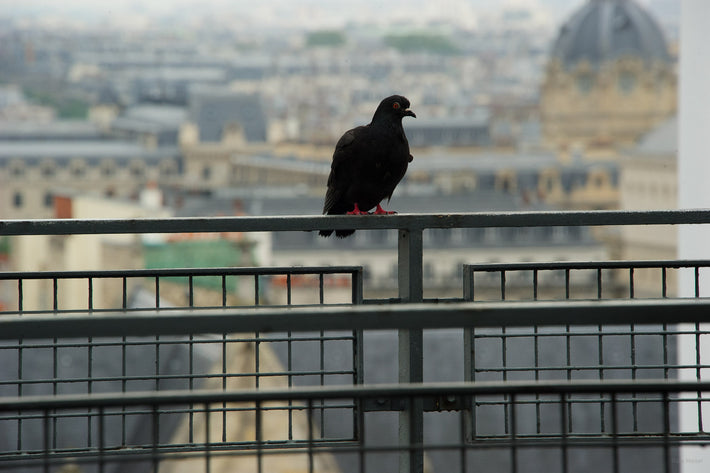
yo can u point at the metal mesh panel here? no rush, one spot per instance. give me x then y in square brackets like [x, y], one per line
[109, 364]
[593, 381]
[558, 444]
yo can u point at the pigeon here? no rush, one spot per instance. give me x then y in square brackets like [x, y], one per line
[368, 163]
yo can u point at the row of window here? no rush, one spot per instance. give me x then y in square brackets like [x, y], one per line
[18, 200]
[447, 237]
[626, 82]
[657, 190]
[106, 169]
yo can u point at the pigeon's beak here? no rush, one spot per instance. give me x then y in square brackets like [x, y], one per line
[409, 113]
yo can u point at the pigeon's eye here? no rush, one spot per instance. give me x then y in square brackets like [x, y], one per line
[396, 105]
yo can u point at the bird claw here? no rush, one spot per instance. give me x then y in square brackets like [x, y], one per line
[356, 211]
[380, 211]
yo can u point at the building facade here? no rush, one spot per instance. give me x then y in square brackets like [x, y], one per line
[609, 80]
[31, 172]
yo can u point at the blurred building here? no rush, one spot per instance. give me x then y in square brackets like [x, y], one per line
[446, 250]
[216, 110]
[220, 126]
[528, 178]
[649, 181]
[83, 252]
[152, 125]
[610, 78]
[450, 132]
[31, 171]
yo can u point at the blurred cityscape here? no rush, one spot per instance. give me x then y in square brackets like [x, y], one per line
[207, 108]
[190, 108]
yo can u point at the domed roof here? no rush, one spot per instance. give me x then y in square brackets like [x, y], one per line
[605, 30]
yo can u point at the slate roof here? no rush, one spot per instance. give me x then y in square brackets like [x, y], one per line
[661, 141]
[214, 109]
[33, 152]
[52, 131]
[151, 118]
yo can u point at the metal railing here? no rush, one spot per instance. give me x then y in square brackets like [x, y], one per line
[520, 404]
[610, 279]
[224, 279]
[616, 447]
[617, 416]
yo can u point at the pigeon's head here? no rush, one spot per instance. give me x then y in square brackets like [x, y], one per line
[394, 107]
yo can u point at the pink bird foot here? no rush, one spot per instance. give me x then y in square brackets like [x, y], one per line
[380, 211]
[356, 211]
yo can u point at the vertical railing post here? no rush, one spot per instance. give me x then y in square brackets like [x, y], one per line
[468, 354]
[411, 419]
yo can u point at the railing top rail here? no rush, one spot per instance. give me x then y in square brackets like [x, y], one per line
[206, 396]
[365, 317]
[182, 272]
[336, 222]
[616, 264]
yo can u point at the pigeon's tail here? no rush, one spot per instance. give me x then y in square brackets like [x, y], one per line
[329, 210]
[338, 233]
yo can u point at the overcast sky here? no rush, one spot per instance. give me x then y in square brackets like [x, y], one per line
[301, 13]
[160, 7]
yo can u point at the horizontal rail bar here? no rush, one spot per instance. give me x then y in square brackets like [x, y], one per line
[183, 272]
[401, 390]
[366, 317]
[366, 222]
[617, 264]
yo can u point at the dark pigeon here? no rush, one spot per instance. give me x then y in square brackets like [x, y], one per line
[368, 163]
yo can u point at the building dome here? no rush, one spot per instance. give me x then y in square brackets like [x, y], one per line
[610, 79]
[607, 30]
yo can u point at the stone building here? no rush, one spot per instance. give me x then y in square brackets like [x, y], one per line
[31, 172]
[609, 80]
[648, 180]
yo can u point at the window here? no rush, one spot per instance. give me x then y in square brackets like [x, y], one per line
[137, 169]
[627, 82]
[585, 82]
[78, 168]
[17, 169]
[167, 168]
[206, 173]
[108, 168]
[48, 170]
[48, 199]
[17, 199]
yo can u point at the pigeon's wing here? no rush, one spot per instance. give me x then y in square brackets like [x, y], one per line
[341, 168]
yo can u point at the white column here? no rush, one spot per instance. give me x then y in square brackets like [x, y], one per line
[694, 192]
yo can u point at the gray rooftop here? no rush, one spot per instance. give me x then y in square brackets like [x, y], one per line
[63, 150]
[54, 130]
[156, 117]
[662, 141]
[480, 118]
[214, 109]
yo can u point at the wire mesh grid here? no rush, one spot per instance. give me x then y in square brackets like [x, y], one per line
[579, 280]
[62, 291]
[66, 366]
[580, 351]
[564, 447]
